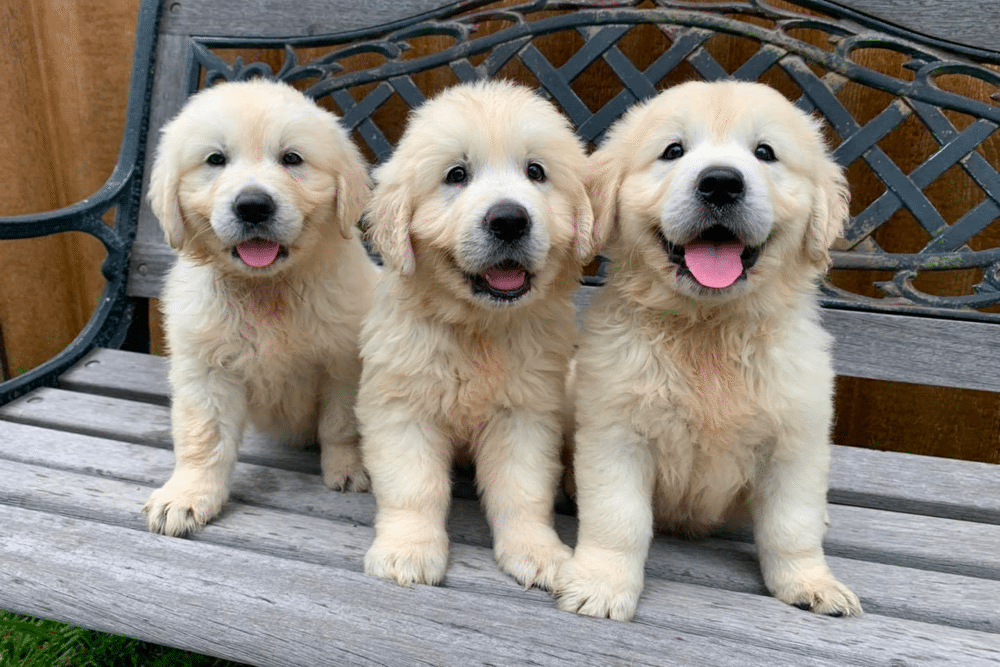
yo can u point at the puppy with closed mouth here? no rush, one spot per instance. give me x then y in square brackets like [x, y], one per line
[704, 380]
[483, 220]
[258, 189]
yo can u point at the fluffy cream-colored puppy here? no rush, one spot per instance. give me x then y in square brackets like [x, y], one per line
[258, 189]
[704, 380]
[483, 219]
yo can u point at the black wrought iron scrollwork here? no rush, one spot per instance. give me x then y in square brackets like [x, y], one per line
[688, 27]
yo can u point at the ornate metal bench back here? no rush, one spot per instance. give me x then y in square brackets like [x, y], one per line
[487, 40]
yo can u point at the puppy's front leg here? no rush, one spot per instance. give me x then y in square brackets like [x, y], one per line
[409, 463]
[340, 453]
[614, 479]
[208, 416]
[517, 469]
[789, 515]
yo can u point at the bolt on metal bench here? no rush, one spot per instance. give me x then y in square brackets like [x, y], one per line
[277, 578]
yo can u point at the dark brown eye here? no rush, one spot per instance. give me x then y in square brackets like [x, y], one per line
[764, 153]
[536, 172]
[456, 175]
[291, 158]
[674, 151]
[216, 159]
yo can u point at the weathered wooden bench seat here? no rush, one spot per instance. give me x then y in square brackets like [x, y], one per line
[277, 579]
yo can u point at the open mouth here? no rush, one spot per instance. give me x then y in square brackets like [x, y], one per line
[506, 281]
[716, 259]
[259, 253]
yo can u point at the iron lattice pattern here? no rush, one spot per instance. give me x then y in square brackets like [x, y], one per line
[595, 59]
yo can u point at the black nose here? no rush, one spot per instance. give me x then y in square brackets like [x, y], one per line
[720, 186]
[507, 222]
[253, 206]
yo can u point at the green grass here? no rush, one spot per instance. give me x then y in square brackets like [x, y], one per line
[31, 642]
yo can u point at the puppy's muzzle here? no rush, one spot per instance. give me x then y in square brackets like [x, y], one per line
[507, 222]
[720, 187]
[507, 278]
[255, 210]
[253, 207]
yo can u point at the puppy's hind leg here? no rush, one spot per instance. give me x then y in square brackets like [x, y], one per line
[517, 469]
[789, 514]
[208, 417]
[340, 452]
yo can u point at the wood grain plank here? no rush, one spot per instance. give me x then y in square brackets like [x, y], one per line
[269, 611]
[938, 19]
[917, 484]
[922, 350]
[95, 479]
[926, 485]
[115, 373]
[268, 18]
[151, 256]
[754, 621]
[136, 422]
[904, 348]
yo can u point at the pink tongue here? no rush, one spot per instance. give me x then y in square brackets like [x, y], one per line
[258, 252]
[505, 280]
[714, 265]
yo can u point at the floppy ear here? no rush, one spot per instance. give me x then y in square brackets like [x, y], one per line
[390, 212]
[831, 209]
[353, 193]
[163, 195]
[604, 180]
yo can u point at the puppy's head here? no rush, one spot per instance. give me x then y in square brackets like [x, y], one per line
[484, 197]
[719, 190]
[250, 175]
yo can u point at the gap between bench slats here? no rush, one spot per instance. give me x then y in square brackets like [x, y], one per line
[898, 482]
[755, 622]
[283, 513]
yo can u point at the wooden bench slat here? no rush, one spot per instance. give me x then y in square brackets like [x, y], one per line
[269, 19]
[272, 507]
[918, 484]
[128, 375]
[903, 348]
[135, 422]
[670, 606]
[269, 611]
[921, 350]
[950, 488]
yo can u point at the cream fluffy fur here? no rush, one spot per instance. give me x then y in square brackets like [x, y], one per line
[695, 405]
[448, 370]
[274, 346]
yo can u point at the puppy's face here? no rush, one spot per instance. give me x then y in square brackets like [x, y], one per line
[250, 175]
[722, 189]
[484, 196]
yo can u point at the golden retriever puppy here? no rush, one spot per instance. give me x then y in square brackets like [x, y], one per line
[483, 220]
[259, 189]
[704, 380]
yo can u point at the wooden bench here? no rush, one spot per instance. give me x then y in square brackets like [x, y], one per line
[277, 580]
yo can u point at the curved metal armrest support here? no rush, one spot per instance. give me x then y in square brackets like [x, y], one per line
[122, 191]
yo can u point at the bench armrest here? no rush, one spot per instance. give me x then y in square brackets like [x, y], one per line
[122, 191]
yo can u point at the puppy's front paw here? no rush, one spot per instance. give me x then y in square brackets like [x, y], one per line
[605, 587]
[177, 511]
[342, 469]
[408, 562]
[533, 563]
[822, 594]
